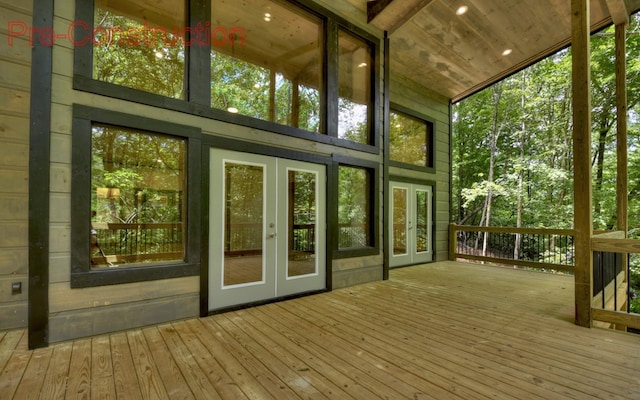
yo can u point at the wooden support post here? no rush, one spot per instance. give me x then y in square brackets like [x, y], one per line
[295, 103]
[583, 218]
[272, 95]
[622, 197]
[621, 106]
[619, 11]
[453, 242]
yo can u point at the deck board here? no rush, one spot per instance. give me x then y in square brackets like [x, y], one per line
[438, 331]
[79, 378]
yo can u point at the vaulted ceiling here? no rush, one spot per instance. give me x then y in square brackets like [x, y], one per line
[455, 54]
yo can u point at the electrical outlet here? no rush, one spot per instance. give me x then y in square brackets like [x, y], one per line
[16, 288]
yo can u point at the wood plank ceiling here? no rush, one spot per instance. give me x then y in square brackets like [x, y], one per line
[456, 55]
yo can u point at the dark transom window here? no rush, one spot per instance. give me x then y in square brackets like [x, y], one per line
[141, 47]
[410, 140]
[354, 88]
[267, 62]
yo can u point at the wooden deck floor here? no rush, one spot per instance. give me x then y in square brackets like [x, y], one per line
[440, 331]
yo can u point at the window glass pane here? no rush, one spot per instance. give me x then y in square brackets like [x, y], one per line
[266, 62]
[422, 221]
[354, 211]
[137, 197]
[139, 44]
[302, 223]
[399, 221]
[409, 139]
[354, 78]
[243, 223]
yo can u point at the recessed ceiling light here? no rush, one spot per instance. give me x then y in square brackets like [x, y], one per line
[507, 52]
[461, 10]
[267, 17]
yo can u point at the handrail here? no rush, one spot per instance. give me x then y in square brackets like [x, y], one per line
[543, 255]
[500, 229]
[611, 305]
[613, 294]
[615, 245]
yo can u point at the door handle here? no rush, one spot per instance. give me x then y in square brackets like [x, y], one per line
[272, 235]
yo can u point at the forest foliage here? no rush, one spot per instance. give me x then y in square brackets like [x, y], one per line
[512, 144]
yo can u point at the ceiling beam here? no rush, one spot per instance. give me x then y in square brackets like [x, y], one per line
[375, 7]
[620, 11]
[390, 16]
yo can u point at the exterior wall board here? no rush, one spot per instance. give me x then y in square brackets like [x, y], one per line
[99, 320]
[411, 96]
[15, 83]
[97, 310]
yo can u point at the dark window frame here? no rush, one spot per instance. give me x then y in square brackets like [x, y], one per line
[374, 205]
[430, 141]
[82, 275]
[198, 70]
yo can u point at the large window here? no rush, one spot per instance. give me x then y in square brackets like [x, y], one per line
[137, 197]
[140, 47]
[357, 203]
[354, 210]
[272, 65]
[354, 87]
[267, 62]
[410, 140]
[134, 198]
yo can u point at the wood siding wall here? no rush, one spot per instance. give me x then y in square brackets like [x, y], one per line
[408, 94]
[15, 80]
[91, 311]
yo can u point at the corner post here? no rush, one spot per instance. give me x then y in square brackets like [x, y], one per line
[453, 241]
[583, 218]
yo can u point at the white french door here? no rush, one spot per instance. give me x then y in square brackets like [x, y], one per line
[410, 218]
[267, 228]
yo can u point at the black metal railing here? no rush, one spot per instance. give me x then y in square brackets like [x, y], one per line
[607, 273]
[137, 242]
[538, 248]
[352, 236]
[304, 238]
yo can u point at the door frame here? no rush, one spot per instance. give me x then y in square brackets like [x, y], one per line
[387, 221]
[210, 141]
[412, 256]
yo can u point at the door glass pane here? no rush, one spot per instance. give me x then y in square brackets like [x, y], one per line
[243, 223]
[302, 223]
[399, 221]
[422, 222]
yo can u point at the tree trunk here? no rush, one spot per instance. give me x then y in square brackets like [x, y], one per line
[495, 134]
[523, 126]
[602, 140]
